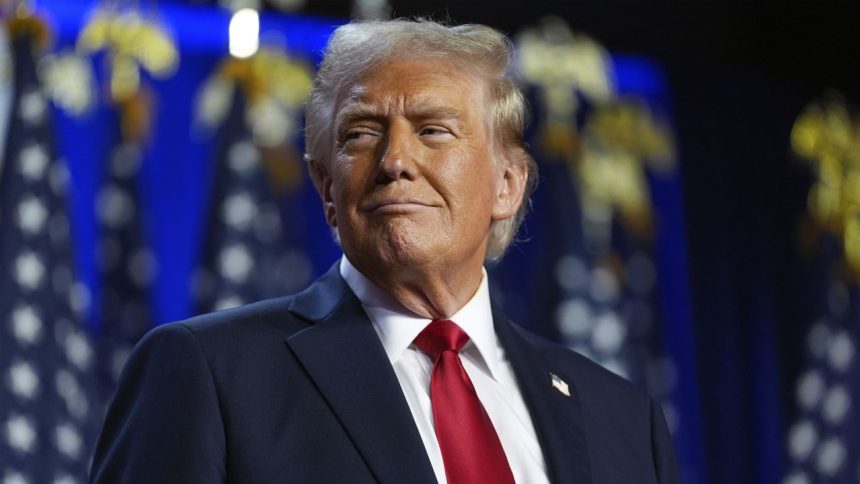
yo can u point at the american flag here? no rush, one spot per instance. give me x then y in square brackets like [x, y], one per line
[47, 418]
[249, 254]
[599, 291]
[126, 264]
[823, 444]
[603, 301]
[601, 294]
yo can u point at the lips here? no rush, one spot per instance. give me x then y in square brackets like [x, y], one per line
[395, 204]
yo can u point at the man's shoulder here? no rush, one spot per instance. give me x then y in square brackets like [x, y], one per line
[263, 319]
[269, 314]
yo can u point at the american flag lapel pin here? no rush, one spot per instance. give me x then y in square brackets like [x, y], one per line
[560, 384]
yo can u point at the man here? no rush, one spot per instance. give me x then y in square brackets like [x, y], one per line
[393, 367]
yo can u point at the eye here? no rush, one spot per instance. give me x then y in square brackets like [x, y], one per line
[357, 134]
[434, 131]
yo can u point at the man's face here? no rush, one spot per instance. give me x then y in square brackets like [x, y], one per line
[412, 180]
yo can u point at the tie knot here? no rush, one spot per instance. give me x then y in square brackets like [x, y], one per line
[441, 335]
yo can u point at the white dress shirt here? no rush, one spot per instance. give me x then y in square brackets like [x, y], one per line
[483, 358]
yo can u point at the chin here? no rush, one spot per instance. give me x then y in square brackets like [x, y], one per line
[401, 246]
[408, 250]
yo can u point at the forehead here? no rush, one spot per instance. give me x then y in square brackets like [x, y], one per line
[417, 84]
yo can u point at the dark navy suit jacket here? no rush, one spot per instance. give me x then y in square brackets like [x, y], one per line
[299, 390]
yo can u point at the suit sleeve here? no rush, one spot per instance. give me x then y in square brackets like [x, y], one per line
[663, 452]
[164, 424]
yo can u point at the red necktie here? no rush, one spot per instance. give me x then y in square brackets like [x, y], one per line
[471, 449]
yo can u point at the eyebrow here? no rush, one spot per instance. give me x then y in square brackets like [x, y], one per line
[419, 108]
[431, 108]
[356, 110]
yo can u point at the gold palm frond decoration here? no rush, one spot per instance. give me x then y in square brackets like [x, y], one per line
[131, 42]
[66, 77]
[826, 135]
[608, 156]
[563, 66]
[275, 86]
[270, 72]
[622, 138]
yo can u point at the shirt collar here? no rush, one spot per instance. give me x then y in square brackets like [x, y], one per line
[397, 327]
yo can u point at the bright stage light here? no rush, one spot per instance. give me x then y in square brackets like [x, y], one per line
[244, 33]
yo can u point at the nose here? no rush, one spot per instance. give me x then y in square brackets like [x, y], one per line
[397, 160]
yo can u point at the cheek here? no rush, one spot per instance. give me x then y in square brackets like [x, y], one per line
[345, 180]
[466, 166]
[472, 194]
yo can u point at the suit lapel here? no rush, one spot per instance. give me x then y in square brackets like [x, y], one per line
[557, 418]
[345, 359]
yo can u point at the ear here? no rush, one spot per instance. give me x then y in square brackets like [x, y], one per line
[510, 186]
[322, 181]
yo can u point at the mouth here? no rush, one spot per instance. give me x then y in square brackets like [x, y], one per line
[396, 205]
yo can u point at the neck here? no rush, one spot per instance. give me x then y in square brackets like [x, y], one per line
[432, 293]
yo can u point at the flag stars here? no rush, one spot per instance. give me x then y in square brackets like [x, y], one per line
[32, 107]
[236, 263]
[836, 404]
[23, 380]
[31, 215]
[33, 161]
[68, 440]
[802, 439]
[243, 157]
[830, 456]
[819, 338]
[810, 388]
[574, 317]
[239, 211]
[12, 477]
[29, 270]
[78, 350]
[114, 207]
[609, 333]
[20, 434]
[68, 388]
[841, 352]
[26, 325]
